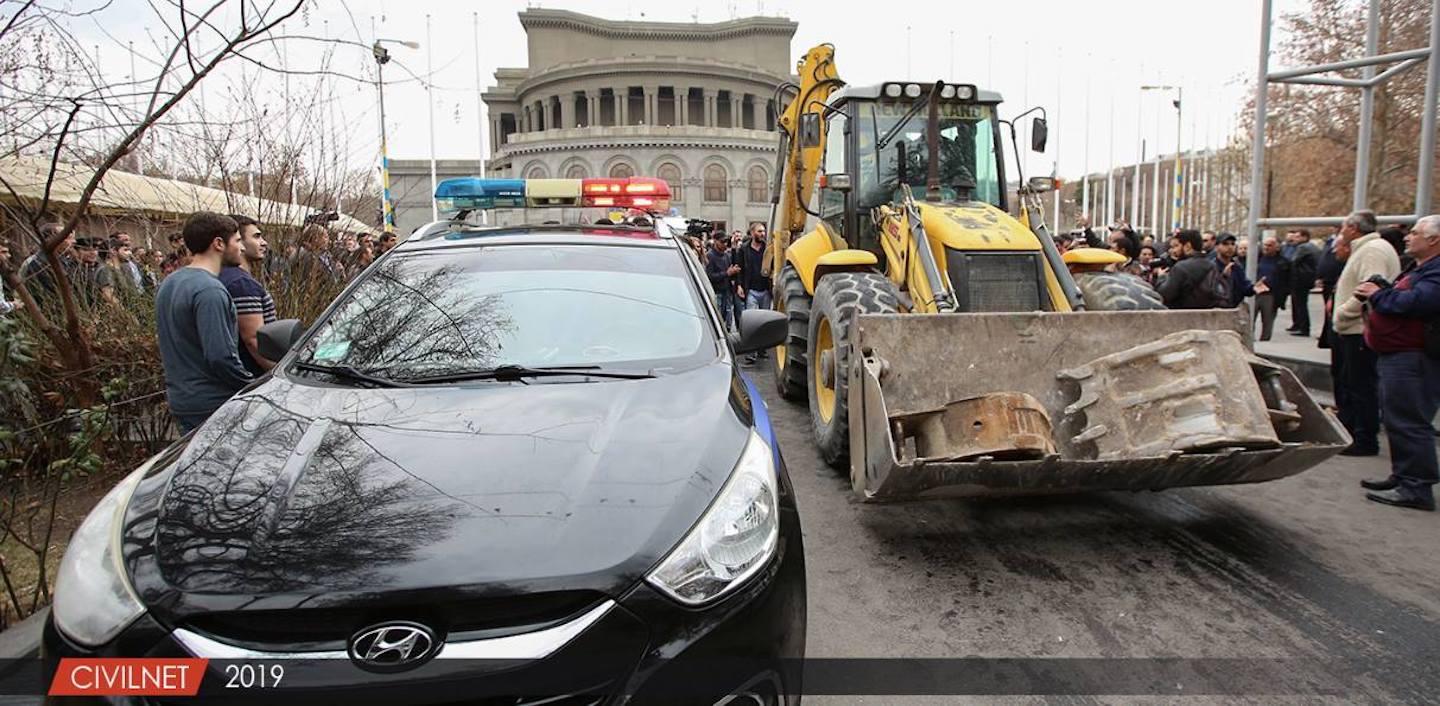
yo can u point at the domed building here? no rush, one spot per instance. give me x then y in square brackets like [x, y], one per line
[690, 103]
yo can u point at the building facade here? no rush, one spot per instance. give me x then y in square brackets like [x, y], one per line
[411, 192]
[690, 103]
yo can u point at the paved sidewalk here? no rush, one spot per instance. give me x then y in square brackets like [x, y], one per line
[1283, 345]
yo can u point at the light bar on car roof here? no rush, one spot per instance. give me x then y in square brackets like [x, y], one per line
[455, 196]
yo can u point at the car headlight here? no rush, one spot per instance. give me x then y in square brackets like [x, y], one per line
[93, 597]
[735, 537]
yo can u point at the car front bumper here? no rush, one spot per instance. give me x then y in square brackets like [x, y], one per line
[646, 648]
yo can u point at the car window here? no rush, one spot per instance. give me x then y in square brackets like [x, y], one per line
[536, 306]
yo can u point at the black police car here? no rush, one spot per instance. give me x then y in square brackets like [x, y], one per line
[508, 465]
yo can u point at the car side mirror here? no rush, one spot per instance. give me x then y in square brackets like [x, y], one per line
[1041, 184]
[836, 182]
[275, 339]
[760, 329]
[1039, 133]
[810, 126]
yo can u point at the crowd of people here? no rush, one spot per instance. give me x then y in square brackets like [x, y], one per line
[1381, 294]
[207, 291]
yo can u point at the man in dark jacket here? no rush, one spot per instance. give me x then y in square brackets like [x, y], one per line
[1183, 286]
[720, 269]
[1234, 268]
[1395, 328]
[753, 283]
[1304, 261]
[1274, 273]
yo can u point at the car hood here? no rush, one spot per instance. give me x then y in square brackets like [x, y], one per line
[301, 490]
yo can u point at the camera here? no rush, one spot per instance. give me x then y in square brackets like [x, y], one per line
[322, 218]
[699, 228]
[1379, 281]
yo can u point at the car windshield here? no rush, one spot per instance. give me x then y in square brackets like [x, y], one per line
[446, 313]
[967, 151]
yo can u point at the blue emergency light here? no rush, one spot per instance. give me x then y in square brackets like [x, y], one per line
[473, 193]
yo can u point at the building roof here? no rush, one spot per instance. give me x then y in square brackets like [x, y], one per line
[630, 30]
[127, 193]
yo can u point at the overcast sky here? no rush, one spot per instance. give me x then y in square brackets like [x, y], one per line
[1042, 52]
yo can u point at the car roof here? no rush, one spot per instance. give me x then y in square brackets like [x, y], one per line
[442, 236]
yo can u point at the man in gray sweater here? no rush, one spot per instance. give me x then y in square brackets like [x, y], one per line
[195, 321]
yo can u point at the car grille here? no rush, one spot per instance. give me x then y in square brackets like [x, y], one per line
[987, 282]
[308, 629]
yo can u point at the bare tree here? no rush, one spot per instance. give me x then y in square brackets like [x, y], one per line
[57, 95]
[1313, 131]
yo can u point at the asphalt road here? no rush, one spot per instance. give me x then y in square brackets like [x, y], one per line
[1300, 585]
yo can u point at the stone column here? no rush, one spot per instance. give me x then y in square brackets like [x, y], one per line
[567, 110]
[710, 110]
[592, 108]
[682, 105]
[757, 110]
[652, 105]
[735, 120]
[622, 100]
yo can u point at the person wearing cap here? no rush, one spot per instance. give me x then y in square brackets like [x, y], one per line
[1232, 267]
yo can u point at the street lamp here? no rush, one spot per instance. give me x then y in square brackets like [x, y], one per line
[1179, 193]
[381, 58]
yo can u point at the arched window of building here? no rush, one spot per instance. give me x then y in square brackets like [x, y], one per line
[621, 170]
[671, 174]
[576, 171]
[536, 172]
[758, 186]
[715, 188]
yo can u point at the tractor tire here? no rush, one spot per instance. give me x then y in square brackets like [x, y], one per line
[839, 298]
[1117, 291]
[790, 369]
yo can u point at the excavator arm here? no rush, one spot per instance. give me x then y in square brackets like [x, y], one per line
[801, 150]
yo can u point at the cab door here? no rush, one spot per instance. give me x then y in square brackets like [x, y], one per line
[836, 208]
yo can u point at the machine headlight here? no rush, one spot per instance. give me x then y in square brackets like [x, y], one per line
[735, 537]
[93, 597]
[947, 91]
[893, 90]
[912, 90]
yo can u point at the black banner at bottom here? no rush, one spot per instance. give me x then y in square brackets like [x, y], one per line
[701, 680]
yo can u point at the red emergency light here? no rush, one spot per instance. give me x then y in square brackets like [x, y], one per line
[646, 193]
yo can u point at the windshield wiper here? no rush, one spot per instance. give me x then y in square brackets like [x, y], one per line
[519, 372]
[348, 372]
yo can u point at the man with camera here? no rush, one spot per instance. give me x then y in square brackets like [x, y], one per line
[1402, 326]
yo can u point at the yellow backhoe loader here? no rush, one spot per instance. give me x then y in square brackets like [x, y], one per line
[944, 347]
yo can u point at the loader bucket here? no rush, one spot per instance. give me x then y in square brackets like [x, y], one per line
[1040, 403]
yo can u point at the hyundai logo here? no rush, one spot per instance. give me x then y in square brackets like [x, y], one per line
[393, 647]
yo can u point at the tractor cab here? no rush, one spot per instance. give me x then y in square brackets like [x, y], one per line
[876, 139]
